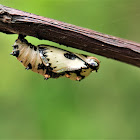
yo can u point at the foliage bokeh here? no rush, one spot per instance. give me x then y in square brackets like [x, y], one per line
[104, 105]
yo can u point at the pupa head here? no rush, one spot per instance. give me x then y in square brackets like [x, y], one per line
[93, 62]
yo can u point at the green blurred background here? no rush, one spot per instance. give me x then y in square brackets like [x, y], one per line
[106, 105]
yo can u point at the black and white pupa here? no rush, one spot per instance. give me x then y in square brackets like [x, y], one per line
[53, 62]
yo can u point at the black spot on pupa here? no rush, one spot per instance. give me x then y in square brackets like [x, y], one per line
[21, 61]
[70, 56]
[41, 66]
[15, 53]
[48, 59]
[56, 61]
[87, 65]
[51, 51]
[54, 67]
[31, 46]
[21, 37]
[29, 66]
[45, 55]
[50, 64]
[35, 48]
[15, 46]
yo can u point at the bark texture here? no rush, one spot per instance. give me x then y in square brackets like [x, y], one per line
[14, 21]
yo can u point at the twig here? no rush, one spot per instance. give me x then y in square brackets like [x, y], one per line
[19, 22]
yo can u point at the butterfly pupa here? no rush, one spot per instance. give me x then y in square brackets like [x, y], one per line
[53, 62]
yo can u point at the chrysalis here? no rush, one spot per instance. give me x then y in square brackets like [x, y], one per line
[52, 62]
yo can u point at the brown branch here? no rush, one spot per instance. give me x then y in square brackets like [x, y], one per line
[19, 22]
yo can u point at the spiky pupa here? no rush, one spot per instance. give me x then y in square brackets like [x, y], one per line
[53, 62]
